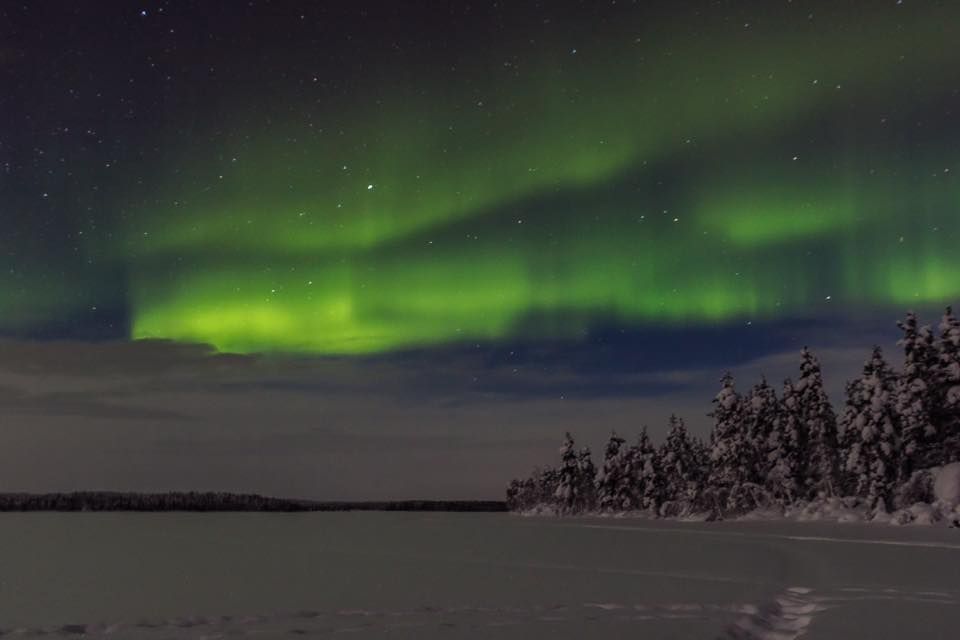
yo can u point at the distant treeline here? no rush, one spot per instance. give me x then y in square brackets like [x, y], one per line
[214, 501]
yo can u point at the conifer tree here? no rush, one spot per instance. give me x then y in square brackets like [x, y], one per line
[700, 473]
[586, 499]
[728, 443]
[546, 481]
[537, 491]
[785, 446]
[874, 457]
[820, 422]
[614, 486]
[849, 437]
[678, 462]
[568, 481]
[760, 413]
[947, 393]
[916, 400]
[517, 495]
[644, 471]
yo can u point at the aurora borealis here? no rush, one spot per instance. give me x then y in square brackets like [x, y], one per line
[361, 179]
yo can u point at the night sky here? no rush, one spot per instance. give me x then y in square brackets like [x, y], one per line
[395, 249]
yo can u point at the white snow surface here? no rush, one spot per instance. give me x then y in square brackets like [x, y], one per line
[482, 576]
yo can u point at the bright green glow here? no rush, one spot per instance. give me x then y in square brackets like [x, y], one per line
[351, 313]
[533, 204]
[378, 301]
[934, 278]
[753, 217]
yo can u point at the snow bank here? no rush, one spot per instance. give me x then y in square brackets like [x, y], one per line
[839, 510]
[829, 509]
[946, 486]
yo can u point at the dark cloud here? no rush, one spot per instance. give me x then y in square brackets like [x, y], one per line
[453, 422]
[79, 404]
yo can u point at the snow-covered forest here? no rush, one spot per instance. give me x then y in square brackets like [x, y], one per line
[784, 452]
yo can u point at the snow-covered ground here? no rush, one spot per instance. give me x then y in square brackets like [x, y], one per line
[471, 576]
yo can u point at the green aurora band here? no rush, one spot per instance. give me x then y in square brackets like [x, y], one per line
[642, 179]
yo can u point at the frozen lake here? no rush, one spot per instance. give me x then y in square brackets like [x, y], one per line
[408, 575]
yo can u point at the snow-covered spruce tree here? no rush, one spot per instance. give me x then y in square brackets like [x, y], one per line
[614, 486]
[785, 449]
[947, 417]
[568, 481]
[700, 473]
[534, 492]
[520, 494]
[761, 412]
[644, 471]
[916, 401]
[874, 459]
[681, 477]
[849, 436]
[587, 491]
[515, 495]
[820, 423]
[728, 444]
[546, 482]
